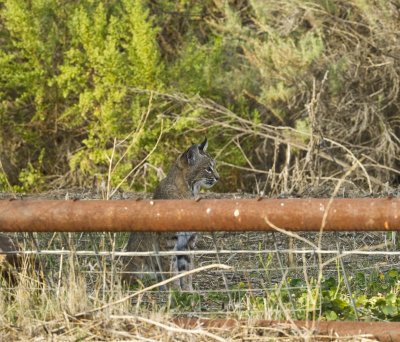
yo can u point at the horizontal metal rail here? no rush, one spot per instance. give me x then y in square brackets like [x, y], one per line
[367, 214]
[383, 331]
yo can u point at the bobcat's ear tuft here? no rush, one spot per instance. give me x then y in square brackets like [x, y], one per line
[203, 146]
[190, 155]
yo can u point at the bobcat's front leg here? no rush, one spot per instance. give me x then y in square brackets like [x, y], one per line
[184, 263]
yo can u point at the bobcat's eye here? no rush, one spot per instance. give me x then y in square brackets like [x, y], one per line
[209, 169]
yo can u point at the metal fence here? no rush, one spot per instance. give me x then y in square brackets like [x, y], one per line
[265, 268]
[274, 275]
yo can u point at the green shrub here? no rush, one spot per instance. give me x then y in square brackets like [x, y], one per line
[92, 81]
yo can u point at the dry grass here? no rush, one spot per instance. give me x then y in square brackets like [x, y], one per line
[71, 311]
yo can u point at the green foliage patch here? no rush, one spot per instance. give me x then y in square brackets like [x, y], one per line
[375, 296]
[88, 88]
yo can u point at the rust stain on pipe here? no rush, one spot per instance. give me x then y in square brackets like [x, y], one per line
[383, 331]
[365, 214]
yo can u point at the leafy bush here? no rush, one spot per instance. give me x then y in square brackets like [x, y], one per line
[289, 93]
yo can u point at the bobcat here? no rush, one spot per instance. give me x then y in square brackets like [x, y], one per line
[193, 169]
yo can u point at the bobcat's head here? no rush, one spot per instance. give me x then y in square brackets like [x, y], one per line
[200, 167]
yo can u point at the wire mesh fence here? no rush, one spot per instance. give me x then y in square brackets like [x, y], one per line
[272, 275]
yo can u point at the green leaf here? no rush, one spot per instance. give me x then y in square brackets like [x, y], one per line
[340, 303]
[331, 315]
[389, 310]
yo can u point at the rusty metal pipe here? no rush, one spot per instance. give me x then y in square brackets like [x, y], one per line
[380, 214]
[383, 331]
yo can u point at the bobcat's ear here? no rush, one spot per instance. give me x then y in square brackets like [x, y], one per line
[203, 146]
[190, 156]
